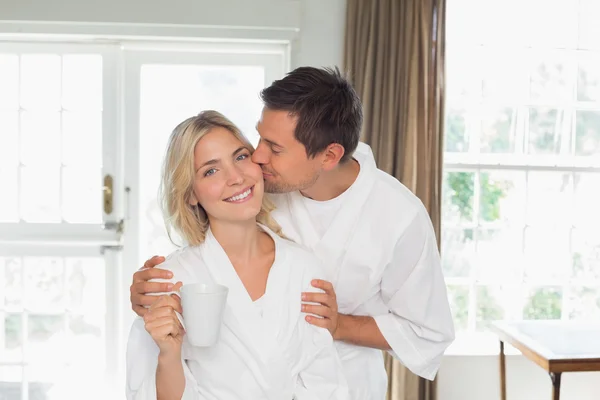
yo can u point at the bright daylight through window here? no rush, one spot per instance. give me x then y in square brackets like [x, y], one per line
[521, 190]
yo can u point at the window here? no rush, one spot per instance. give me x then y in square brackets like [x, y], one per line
[521, 190]
[71, 114]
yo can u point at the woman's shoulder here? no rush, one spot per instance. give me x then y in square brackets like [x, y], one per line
[300, 258]
[179, 262]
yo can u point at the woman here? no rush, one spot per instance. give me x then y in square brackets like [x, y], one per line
[212, 196]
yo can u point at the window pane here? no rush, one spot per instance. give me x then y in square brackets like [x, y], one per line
[549, 81]
[10, 383]
[86, 343]
[503, 79]
[588, 80]
[489, 306]
[86, 285]
[502, 197]
[463, 74]
[9, 203]
[82, 195]
[46, 341]
[543, 303]
[547, 254]
[40, 188]
[587, 199]
[9, 138]
[40, 138]
[458, 297]
[589, 29]
[13, 282]
[545, 131]
[458, 252]
[82, 139]
[498, 129]
[44, 283]
[587, 141]
[40, 82]
[12, 346]
[586, 254]
[547, 193]
[82, 82]
[556, 25]
[171, 93]
[456, 136]
[499, 255]
[584, 303]
[458, 193]
[9, 82]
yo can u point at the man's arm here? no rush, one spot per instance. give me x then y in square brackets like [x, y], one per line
[418, 325]
[358, 330]
[140, 285]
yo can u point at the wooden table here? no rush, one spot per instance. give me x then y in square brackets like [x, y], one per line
[556, 346]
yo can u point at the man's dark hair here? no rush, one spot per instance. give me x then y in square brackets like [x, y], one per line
[326, 105]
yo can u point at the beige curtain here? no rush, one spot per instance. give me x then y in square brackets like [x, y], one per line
[394, 53]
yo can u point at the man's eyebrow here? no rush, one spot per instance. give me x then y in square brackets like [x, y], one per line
[272, 143]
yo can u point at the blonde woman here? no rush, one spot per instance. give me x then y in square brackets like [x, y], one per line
[212, 195]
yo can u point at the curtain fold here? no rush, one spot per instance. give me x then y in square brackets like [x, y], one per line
[394, 52]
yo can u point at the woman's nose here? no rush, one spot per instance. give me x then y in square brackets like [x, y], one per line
[235, 177]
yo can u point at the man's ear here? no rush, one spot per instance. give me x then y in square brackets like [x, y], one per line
[332, 156]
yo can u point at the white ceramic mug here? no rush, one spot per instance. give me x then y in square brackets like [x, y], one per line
[203, 306]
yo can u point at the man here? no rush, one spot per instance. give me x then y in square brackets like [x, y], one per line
[373, 235]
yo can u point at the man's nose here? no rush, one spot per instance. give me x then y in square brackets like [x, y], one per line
[261, 154]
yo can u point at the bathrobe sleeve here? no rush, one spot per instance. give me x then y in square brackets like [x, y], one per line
[418, 326]
[142, 361]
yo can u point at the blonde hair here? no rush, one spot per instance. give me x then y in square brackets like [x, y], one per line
[191, 221]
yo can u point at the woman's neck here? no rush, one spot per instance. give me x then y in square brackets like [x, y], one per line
[240, 240]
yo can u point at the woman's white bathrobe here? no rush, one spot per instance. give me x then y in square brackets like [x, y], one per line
[266, 350]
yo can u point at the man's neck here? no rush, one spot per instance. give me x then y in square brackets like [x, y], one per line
[333, 183]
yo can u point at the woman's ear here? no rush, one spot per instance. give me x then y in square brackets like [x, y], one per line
[193, 200]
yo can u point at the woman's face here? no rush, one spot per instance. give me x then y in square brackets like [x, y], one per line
[227, 184]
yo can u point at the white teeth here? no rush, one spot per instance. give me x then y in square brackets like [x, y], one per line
[240, 196]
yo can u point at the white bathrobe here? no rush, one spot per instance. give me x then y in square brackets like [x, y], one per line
[264, 351]
[381, 252]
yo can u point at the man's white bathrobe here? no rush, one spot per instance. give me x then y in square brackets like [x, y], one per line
[377, 242]
[266, 349]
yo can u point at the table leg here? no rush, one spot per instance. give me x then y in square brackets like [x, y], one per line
[555, 376]
[502, 372]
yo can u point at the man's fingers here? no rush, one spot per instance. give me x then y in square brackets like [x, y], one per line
[154, 261]
[322, 298]
[321, 311]
[151, 273]
[152, 287]
[316, 321]
[321, 284]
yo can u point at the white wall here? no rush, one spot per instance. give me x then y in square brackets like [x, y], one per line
[478, 378]
[314, 26]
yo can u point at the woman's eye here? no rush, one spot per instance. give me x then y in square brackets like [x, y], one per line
[210, 172]
[242, 157]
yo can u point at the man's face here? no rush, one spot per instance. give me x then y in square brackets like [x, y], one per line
[285, 165]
